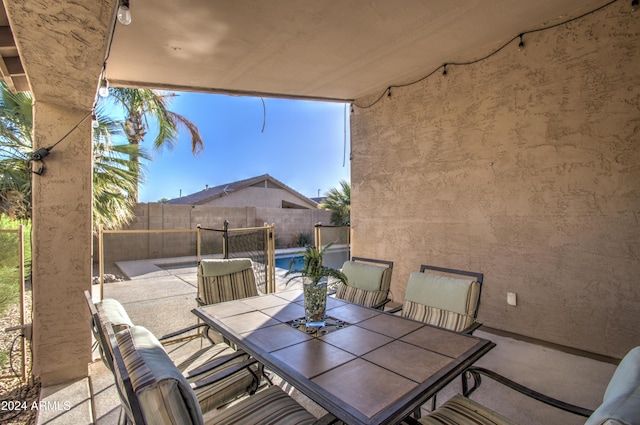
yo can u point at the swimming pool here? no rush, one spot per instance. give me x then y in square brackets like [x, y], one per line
[332, 258]
[284, 261]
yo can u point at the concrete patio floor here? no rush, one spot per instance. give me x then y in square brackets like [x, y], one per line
[161, 299]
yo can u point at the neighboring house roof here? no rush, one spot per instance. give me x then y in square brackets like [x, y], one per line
[211, 193]
[319, 200]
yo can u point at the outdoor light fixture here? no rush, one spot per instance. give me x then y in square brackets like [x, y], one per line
[521, 44]
[124, 14]
[444, 72]
[94, 121]
[634, 5]
[103, 91]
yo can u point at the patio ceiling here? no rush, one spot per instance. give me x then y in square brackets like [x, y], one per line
[316, 49]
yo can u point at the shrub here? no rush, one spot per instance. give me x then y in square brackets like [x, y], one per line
[9, 261]
[302, 239]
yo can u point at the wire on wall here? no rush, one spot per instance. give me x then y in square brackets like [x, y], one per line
[264, 115]
[344, 126]
[37, 157]
[494, 52]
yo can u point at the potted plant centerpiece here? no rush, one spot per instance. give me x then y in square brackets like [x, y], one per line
[314, 283]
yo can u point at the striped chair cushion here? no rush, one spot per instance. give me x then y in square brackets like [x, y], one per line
[621, 401]
[436, 316]
[222, 392]
[217, 394]
[268, 407]
[218, 289]
[460, 410]
[364, 276]
[360, 296]
[441, 301]
[111, 312]
[164, 395]
[116, 314]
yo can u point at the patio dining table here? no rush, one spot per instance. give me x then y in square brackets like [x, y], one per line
[365, 366]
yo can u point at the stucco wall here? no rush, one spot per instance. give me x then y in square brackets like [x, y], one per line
[157, 216]
[524, 166]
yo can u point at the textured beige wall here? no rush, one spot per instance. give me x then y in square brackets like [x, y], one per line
[290, 222]
[157, 216]
[526, 167]
[62, 255]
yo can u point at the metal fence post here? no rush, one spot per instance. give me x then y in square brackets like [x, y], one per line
[225, 240]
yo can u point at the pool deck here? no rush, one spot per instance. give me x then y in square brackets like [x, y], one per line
[153, 291]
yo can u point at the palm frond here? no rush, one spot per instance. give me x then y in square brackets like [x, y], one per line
[312, 267]
[339, 202]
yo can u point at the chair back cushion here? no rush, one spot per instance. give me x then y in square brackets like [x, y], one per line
[367, 285]
[164, 395]
[360, 296]
[621, 402]
[441, 301]
[363, 276]
[107, 312]
[226, 280]
[221, 267]
[116, 314]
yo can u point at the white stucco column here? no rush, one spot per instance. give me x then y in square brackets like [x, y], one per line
[62, 255]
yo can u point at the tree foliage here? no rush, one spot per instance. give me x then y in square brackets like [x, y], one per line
[115, 176]
[15, 145]
[338, 200]
[143, 107]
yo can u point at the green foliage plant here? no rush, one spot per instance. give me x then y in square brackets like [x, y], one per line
[312, 269]
[338, 201]
[302, 239]
[9, 260]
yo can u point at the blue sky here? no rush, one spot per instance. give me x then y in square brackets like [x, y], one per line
[303, 145]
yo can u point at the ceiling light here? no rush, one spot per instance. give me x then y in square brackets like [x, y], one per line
[103, 91]
[124, 14]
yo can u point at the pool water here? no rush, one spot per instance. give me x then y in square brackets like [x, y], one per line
[332, 258]
[283, 262]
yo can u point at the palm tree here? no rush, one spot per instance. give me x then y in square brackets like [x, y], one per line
[15, 145]
[141, 104]
[115, 177]
[339, 202]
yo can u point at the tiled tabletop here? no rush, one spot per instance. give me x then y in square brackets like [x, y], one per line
[376, 370]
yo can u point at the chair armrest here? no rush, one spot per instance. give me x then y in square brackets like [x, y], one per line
[181, 331]
[380, 305]
[200, 302]
[332, 292]
[326, 420]
[216, 377]
[394, 310]
[469, 330]
[219, 361]
[475, 372]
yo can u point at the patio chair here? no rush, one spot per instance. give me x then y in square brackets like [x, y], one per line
[443, 301]
[156, 392]
[620, 404]
[221, 280]
[217, 359]
[367, 282]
